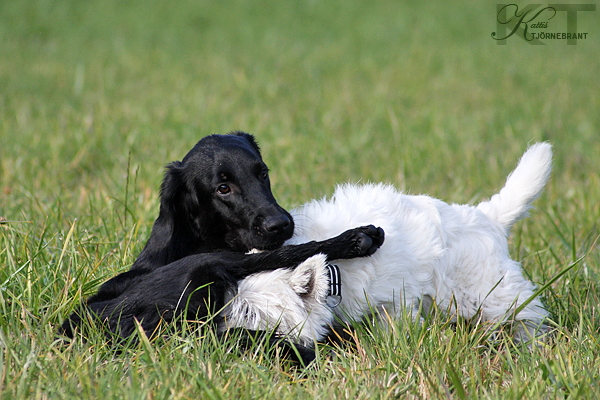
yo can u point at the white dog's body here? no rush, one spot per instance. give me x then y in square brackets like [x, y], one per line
[455, 256]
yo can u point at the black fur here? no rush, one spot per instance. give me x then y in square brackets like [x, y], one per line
[215, 205]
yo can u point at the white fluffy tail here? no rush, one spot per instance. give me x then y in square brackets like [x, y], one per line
[523, 186]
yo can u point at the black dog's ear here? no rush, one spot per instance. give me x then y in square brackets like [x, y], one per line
[250, 138]
[158, 250]
[172, 184]
[179, 204]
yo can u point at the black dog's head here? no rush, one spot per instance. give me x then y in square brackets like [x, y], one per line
[217, 198]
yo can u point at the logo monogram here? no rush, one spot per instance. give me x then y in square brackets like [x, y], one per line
[520, 22]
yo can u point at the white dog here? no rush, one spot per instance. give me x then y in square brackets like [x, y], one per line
[455, 256]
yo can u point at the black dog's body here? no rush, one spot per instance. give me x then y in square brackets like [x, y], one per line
[198, 284]
[216, 204]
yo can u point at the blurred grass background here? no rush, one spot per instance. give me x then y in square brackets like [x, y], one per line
[97, 96]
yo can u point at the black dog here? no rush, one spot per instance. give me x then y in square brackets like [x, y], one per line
[215, 205]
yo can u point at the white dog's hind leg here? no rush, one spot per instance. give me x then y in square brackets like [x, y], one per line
[530, 333]
[501, 306]
[528, 325]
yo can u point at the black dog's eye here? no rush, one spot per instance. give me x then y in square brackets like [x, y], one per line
[264, 175]
[224, 189]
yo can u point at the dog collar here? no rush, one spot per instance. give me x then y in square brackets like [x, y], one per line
[334, 297]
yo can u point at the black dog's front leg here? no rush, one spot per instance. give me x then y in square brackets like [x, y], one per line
[357, 242]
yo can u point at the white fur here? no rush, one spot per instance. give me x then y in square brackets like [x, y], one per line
[453, 255]
[290, 300]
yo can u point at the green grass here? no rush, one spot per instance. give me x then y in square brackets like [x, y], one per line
[96, 97]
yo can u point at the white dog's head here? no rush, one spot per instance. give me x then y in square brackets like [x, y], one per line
[292, 301]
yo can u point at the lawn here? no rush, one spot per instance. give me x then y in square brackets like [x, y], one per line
[97, 97]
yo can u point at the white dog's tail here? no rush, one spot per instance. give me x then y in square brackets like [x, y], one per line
[523, 186]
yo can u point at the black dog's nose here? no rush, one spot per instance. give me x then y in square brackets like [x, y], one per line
[276, 223]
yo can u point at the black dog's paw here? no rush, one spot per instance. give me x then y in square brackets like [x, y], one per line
[370, 238]
[363, 241]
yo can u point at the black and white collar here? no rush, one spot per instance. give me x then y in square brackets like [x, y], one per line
[334, 297]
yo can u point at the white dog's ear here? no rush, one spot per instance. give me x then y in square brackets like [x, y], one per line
[306, 279]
